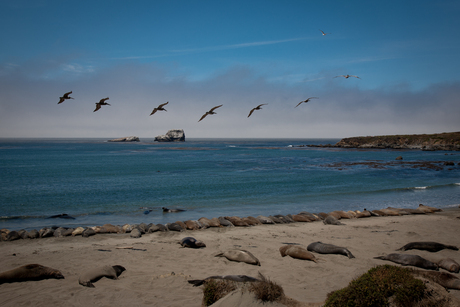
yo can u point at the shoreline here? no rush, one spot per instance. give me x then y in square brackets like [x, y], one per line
[149, 277]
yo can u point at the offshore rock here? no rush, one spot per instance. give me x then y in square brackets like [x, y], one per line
[177, 135]
[126, 139]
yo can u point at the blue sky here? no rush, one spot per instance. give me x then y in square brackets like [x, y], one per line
[199, 54]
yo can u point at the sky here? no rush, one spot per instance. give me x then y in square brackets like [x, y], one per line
[238, 54]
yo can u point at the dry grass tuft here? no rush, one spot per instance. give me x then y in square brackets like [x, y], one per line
[266, 290]
[214, 290]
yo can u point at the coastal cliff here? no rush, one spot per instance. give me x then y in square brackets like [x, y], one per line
[441, 141]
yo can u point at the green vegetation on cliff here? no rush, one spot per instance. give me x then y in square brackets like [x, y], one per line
[441, 141]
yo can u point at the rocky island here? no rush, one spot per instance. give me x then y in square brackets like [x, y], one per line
[176, 135]
[126, 139]
[440, 141]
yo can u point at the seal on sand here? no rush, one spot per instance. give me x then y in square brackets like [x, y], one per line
[323, 248]
[446, 280]
[237, 278]
[29, 272]
[428, 246]
[191, 242]
[240, 256]
[449, 264]
[87, 278]
[297, 252]
[413, 260]
[332, 220]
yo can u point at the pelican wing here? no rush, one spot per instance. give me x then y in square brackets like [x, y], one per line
[251, 112]
[161, 105]
[299, 104]
[205, 114]
[61, 100]
[98, 106]
[103, 100]
[154, 111]
[215, 108]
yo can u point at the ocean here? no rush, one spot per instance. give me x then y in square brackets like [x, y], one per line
[99, 182]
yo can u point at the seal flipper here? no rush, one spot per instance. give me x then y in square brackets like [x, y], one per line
[196, 282]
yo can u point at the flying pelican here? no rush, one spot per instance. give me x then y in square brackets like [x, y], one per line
[159, 108]
[325, 33]
[66, 96]
[347, 76]
[210, 112]
[257, 108]
[101, 103]
[307, 100]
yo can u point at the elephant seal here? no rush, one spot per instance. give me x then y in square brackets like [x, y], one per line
[192, 225]
[414, 260]
[240, 256]
[300, 218]
[237, 278]
[236, 221]
[428, 209]
[191, 242]
[224, 222]
[446, 280]
[265, 220]
[174, 227]
[166, 210]
[428, 246]
[252, 221]
[332, 220]
[449, 264]
[29, 272]
[323, 248]
[62, 216]
[87, 278]
[297, 252]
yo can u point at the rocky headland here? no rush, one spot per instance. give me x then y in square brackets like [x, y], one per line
[440, 141]
[176, 135]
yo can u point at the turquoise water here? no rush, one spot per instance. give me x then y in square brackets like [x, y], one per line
[99, 182]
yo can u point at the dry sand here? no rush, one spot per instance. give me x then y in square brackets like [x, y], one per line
[157, 268]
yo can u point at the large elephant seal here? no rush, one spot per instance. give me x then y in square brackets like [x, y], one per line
[297, 252]
[428, 246]
[449, 264]
[240, 256]
[87, 278]
[323, 248]
[29, 272]
[237, 278]
[191, 242]
[413, 260]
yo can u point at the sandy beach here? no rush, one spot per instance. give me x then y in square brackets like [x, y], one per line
[157, 267]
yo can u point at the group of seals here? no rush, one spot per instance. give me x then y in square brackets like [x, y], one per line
[29, 272]
[93, 275]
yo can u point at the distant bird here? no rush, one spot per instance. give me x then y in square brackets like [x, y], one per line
[325, 33]
[347, 76]
[210, 112]
[257, 108]
[101, 103]
[159, 108]
[307, 100]
[66, 96]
